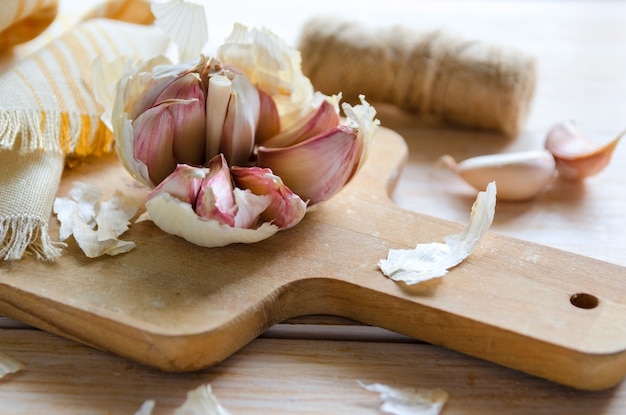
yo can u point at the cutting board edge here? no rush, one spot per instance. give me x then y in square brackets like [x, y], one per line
[203, 349]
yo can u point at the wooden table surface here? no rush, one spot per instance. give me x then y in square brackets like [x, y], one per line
[312, 365]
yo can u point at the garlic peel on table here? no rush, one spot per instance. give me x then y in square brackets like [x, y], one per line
[409, 401]
[9, 365]
[236, 146]
[519, 176]
[576, 156]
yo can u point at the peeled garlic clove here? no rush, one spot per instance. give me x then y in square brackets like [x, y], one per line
[218, 95]
[577, 157]
[285, 209]
[519, 176]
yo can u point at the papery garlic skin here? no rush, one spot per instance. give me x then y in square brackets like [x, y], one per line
[95, 225]
[285, 208]
[409, 401]
[576, 156]
[432, 260]
[273, 65]
[200, 401]
[520, 176]
[210, 211]
[9, 365]
[191, 227]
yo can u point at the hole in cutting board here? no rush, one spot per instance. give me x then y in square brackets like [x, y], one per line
[584, 300]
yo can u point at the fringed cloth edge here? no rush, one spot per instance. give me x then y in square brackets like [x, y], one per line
[27, 152]
[27, 233]
[55, 131]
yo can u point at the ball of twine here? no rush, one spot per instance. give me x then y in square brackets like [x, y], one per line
[463, 82]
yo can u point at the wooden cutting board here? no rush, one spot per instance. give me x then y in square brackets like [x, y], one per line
[180, 307]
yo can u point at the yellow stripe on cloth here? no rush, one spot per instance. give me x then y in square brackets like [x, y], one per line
[23, 20]
[131, 11]
[56, 82]
[47, 111]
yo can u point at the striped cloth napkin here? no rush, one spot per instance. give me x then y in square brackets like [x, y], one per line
[48, 111]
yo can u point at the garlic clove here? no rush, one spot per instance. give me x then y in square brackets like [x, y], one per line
[323, 115]
[242, 116]
[519, 176]
[286, 208]
[318, 168]
[189, 125]
[149, 96]
[200, 205]
[269, 119]
[215, 198]
[218, 95]
[576, 156]
[152, 141]
[184, 183]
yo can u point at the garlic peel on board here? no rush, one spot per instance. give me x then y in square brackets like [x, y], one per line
[519, 176]
[576, 156]
[432, 260]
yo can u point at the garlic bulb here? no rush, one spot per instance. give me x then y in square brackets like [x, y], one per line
[519, 176]
[576, 156]
[235, 138]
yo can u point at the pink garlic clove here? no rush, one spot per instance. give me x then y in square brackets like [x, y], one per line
[576, 156]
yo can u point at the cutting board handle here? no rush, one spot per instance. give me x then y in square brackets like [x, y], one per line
[180, 307]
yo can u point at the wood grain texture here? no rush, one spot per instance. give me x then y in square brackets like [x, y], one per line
[180, 307]
[579, 47]
[274, 376]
